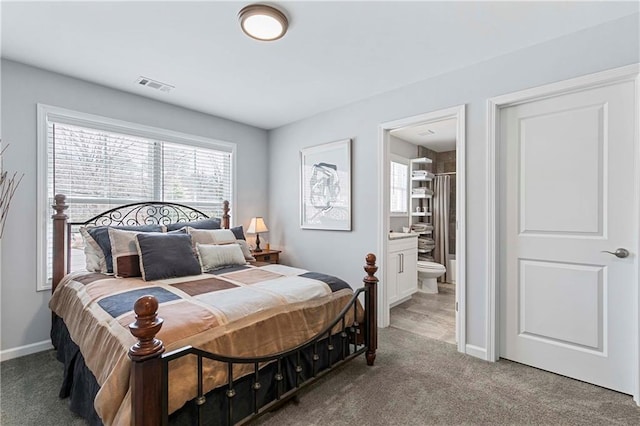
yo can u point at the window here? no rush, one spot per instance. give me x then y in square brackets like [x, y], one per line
[399, 194]
[100, 163]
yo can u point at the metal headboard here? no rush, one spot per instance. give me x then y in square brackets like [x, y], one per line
[144, 213]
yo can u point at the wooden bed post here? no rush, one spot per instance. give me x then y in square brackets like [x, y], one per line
[225, 214]
[146, 366]
[59, 243]
[371, 308]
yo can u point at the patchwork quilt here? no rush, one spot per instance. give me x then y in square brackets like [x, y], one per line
[238, 311]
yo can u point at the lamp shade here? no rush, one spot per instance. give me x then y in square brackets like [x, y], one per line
[257, 225]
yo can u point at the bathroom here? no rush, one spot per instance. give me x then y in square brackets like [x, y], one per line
[431, 149]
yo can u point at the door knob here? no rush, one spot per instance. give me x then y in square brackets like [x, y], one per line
[621, 253]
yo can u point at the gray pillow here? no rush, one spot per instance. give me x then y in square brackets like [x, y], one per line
[166, 256]
[212, 223]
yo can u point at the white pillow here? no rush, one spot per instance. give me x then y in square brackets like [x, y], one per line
[126, 261]
[93, 254]
[219, 236]
[213, 257]
[246, 251]
[211, 236]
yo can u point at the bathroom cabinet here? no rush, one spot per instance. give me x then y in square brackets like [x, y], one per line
[402, 269]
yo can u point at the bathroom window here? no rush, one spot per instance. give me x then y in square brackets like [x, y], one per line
[399, 193]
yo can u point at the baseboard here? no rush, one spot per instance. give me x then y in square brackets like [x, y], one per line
[476, 351]
[399, 301]
[32, 348]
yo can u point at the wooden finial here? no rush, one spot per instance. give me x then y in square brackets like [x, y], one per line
[60, 245]
[60, 206]
[371, 307]
[145, 328]
[370, 268]
[146, 377]
[225, 214]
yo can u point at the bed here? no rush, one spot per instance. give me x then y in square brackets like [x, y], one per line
[146, 343]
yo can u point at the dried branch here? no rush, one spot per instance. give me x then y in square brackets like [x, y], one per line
[8, 186]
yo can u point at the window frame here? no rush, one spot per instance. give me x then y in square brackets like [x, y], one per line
[45, 113]
[394, 158]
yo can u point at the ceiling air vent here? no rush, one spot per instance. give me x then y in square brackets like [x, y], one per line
[153, 84]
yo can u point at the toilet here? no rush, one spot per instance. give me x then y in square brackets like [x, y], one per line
[428, 273]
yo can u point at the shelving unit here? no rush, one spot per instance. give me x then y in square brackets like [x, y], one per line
[421, 204]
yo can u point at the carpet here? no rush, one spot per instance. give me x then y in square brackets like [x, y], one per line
[415, 381]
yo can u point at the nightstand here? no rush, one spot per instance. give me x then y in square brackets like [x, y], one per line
[268, 256]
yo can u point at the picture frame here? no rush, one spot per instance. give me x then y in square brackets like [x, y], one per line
[325, 186]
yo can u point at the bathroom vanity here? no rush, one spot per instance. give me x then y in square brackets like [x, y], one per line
[402, 273]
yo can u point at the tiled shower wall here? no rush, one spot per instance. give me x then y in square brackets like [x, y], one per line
[426, 152]
[444, 162]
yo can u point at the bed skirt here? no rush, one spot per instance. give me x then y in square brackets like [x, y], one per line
[81, 387]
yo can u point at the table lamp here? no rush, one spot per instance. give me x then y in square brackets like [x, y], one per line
[256, 226]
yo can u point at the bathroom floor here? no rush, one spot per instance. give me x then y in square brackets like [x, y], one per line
[429, 315]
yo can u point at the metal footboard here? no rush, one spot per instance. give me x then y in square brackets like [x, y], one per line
[352, 345]
[150, 366]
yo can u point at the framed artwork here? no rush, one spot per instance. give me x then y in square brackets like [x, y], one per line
[325, 186]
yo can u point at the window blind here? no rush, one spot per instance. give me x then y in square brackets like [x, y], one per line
[399, 187]
[196, 176]
[98, 169]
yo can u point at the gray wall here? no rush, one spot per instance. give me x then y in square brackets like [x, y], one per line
[402, 148]
[342, 253]
[25, 317]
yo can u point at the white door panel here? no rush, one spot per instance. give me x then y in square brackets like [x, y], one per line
[578, 199]
[553, 286]
[568, 167]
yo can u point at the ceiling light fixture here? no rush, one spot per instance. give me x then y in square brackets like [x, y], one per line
[263, 22]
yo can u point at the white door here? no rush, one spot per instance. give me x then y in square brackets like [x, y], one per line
[567, 191]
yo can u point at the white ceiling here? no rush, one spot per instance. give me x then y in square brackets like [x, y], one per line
[439, 136]
[335, 53]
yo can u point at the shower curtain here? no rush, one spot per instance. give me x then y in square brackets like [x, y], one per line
[441, 222]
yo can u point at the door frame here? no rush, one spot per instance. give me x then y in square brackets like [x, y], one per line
[495, 106]
[457, 112]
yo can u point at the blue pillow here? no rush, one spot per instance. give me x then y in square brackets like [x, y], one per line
[212, 223]
[101, 236]
[166, 256]
[238, 232]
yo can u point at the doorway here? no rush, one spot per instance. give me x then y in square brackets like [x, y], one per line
[413, 135]
[564, 213]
